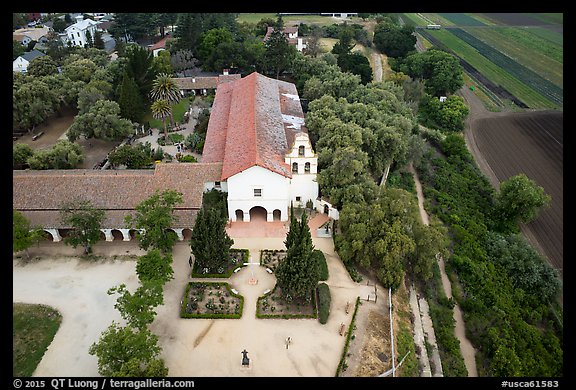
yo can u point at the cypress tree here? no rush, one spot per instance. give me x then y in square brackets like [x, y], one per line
[299, 273]
[210, 244]
[129, 99]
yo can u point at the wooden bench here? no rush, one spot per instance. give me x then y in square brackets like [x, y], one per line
[342, 328]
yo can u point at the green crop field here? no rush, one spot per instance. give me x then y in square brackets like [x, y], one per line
[534, 80]
[492, 71]
[535, 57]
[462, 19]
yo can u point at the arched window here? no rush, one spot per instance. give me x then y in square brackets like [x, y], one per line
[294, 167]
[307, 167]
[301, 150]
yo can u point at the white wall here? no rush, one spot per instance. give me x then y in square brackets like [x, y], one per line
[275, 193]
[20, 65]
[305, 187]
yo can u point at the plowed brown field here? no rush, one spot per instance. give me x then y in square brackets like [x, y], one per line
[529, 143]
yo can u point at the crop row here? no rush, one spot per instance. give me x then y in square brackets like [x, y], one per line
[491, 71]
[524, 52]
[461, 19]
[527, 76]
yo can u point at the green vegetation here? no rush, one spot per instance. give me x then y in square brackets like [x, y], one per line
[322, 265]
[342, 365]
[490, 70]
[462, 19]
[324, 300]
[85, 221]
[542, 86]
[34, 328]
[178, 111]
[536, 53]
[509, 316]
[211, 300]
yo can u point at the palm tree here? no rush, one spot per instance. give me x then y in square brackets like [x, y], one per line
[161, 109]
[164, 88]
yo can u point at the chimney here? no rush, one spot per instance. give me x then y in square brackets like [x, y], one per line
[225, 72]
[79, 18]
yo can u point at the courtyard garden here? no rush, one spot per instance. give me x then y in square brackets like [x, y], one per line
[211, 300]
[271, 258]
[236, 259]
[274, 305]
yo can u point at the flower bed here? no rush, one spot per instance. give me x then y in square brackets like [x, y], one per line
[273, 305]
[237, 259]
[271, 258]
[211, 300]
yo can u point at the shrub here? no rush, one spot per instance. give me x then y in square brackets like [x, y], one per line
[324, 300]
[318, 255]
[188, 158]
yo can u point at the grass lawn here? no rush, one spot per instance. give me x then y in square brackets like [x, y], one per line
[178, 110]
[34, 327]
[291, 20]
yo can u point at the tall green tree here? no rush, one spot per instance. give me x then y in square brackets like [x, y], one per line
[138, 308]
[298, 274]
[130, 100]
[520, 200]
[141, 68]
[42, 66]
[85, 221]
[128, 352]
[153, 219]
[102, 121]
[188, 32]
[394, 41]
[23, 235]
[379, 235]
[161, 109]
[155, 266]
[209, 243]
[279, 53]
[440, 70]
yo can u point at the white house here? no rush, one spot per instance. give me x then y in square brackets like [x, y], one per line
[21, 63]
[291, 34]
[256, 130]
[76, 33]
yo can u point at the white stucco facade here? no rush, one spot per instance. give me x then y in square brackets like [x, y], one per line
[257, 186]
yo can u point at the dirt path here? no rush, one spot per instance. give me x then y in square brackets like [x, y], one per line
[466, 348]
[377, 66]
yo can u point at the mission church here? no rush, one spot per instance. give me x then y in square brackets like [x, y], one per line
[257, 149]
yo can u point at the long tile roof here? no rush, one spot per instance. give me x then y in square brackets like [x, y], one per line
[253, 122]
[39, 195]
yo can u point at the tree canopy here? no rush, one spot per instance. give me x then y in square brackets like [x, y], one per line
[85, 221]
[154, 216]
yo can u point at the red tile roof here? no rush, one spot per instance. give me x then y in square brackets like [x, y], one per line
[253, 122]
[39, 195]
[161, 44]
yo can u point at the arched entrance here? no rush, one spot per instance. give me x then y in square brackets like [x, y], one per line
[276, 214]
[326, 209]
[186, 233]
[117, 235]
[239, 215]
[258, 213]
